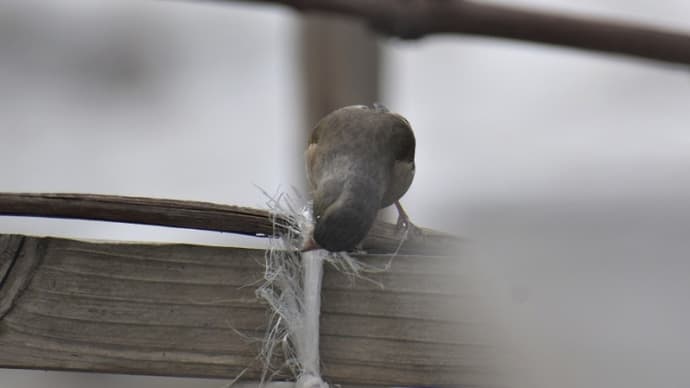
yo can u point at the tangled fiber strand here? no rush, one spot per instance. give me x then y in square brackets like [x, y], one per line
[292, 289]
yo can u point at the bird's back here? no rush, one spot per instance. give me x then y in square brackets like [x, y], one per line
[353, 161]
[356, 141]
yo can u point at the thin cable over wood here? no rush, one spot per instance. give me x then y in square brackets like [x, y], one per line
[383, 237]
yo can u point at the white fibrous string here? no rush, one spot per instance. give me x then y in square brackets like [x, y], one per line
[292, 289]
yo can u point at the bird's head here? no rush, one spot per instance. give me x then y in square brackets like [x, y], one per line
[341, 222]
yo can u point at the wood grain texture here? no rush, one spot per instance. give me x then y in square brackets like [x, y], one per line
[382, 238]
[9, 247]
[184, 310]
[23, 264]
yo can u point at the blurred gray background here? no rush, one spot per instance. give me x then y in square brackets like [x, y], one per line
[567, 171]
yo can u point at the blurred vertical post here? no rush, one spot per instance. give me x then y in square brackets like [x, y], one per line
[340, 65]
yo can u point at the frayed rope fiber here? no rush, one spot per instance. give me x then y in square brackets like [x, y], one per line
[292, 288]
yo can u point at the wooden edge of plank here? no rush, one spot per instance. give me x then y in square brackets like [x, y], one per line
[9, 248]
[23, 254]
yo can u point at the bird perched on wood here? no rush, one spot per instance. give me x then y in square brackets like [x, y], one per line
[359, 160]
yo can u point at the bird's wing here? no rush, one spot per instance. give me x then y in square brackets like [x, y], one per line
[310, 154]
[313, 150]
[403, 141]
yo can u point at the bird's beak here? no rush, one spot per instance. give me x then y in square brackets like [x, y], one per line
[310, 245]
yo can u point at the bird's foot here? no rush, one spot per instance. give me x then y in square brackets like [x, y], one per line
[404, 224]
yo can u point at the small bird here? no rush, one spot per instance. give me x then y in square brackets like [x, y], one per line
[359, 160]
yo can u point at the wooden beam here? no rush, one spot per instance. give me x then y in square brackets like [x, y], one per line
[340, 66]
[414, 19]
[185, 310]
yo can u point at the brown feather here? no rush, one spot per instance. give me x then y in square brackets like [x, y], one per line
[358, 160]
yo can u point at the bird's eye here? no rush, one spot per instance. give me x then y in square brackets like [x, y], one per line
[402, 119]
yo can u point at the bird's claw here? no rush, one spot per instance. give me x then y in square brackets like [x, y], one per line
[406, 226]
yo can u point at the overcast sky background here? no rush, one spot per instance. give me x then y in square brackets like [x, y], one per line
[567, 170]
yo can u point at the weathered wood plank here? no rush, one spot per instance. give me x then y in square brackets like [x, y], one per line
[9, 247]
[185, 310]
[24, 261]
